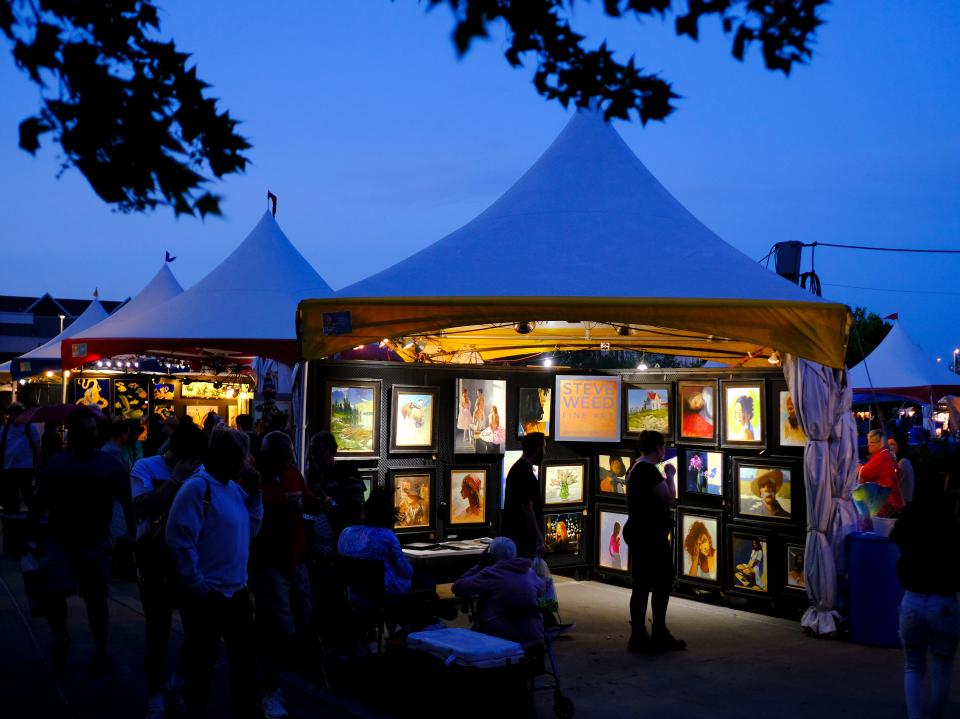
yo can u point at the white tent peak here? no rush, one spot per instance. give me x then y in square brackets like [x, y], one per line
[577, 223]
[50, 350]
[899, 366]
[158, 290]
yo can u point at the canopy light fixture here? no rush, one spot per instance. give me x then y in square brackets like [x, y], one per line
[623, 330]
[774, 358]
[524, 328]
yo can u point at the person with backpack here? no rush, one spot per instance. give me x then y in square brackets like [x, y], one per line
[19, 454]
[209, 528]
[154, 482]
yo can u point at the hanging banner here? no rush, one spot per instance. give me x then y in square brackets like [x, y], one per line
[587, 408]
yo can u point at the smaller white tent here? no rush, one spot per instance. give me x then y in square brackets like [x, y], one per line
[898, 367]
[46, 357]
[243, 308]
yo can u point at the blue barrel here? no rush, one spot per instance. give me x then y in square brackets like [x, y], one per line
[874, 591]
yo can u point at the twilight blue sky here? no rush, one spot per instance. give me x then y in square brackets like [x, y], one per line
[378, 142]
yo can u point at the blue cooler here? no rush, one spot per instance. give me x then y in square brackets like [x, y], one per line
[874, 591]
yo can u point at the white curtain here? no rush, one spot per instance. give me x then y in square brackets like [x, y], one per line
[823, 398]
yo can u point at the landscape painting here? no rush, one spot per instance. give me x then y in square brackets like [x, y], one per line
[649, 406]
[352, 415]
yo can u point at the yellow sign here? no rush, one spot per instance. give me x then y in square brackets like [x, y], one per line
[588, 408]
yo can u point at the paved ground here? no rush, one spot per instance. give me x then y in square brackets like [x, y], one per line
[738, 665]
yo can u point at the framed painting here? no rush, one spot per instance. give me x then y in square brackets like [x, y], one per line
[232, 412]
[510, 458]
[92, 391]
[130, 398]
[369, 479]
[612, 470]
[587, 408]
[786, 434]
[164, 409]
[413, 499]
[413, 419]
[697, 412]
[699, 547]
[743, 414]
[796, 577]
[199, 412]
[563, 482]
[563, 533]
[649, 406]
[702, 474]
[480, 415]
[613, 553]
[203, 390]
[670, 459]
[164, 391]
[467, 492]
[352, 414]
[749, 562]
[765, 489]
[533, 410]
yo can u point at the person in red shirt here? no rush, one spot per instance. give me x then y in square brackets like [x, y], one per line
[881, 468]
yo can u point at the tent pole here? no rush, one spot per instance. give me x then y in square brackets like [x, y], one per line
[303, 417]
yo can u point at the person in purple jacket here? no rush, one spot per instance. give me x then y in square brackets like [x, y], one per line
[507, 590]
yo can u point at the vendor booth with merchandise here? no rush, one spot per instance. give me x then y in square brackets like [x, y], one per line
[592, 253]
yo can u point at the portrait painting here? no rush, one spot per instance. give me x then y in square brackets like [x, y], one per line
[563, 533]
[612, 470]
[698, 411]
[413, 419]
[563, 482]
[480, 414]
[796, 579]
[199, 412]
[670, 460]
[764, 491]
[468, 495]
[412, 499]
[749, 562]
[743, 416]
[703, 471]
[649, 407]
[353, 416]
[791, 433]
[92, 392]
[612, 551]
[533, 412]
[700, 547]
[509, 459]
[129, 398]
[163, 391]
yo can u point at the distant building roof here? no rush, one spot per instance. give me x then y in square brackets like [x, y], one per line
[49, 306]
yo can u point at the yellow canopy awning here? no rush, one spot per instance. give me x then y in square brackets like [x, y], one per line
[471, 329]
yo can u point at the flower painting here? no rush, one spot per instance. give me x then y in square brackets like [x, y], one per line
[563, 482]
[703, 471]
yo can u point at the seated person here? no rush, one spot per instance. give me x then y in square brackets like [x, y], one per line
[375, 539]
[508, 591]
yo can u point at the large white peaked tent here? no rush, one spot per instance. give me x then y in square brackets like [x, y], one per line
[898, 367]
[587, 235]
[241, 309]
[46, 357]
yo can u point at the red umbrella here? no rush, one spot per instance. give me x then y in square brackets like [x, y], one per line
[56, 414]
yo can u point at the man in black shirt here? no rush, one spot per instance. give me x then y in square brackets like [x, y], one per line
[522, 508]
[78, 488]
[649, 498]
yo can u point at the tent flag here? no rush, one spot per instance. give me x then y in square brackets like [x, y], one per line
[554, 251]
